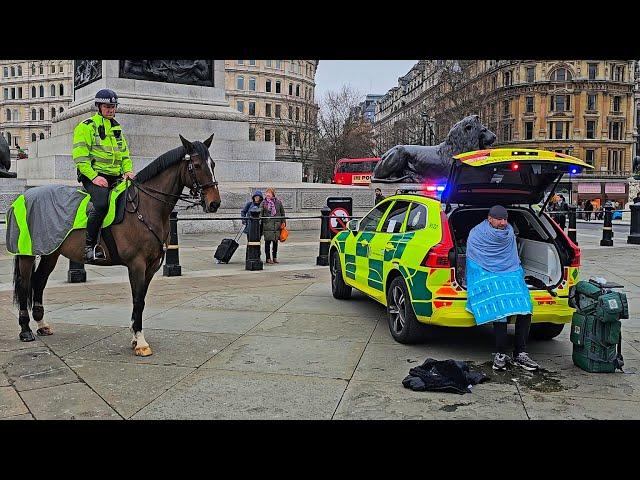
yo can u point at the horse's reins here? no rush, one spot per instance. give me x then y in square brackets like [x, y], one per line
[196, 190]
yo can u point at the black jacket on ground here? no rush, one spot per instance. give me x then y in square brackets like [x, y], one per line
[442, 376]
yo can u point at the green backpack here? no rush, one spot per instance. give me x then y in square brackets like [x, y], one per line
[595, 326]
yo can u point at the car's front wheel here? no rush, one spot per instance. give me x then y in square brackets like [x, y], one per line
[545, 331]
[339, 289]
[403, 323]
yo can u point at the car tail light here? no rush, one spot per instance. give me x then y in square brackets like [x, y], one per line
[438, 255]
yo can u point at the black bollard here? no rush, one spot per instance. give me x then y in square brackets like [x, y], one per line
[607, 230]
[571, 231]
[634, 236]
[172, 266]
[325, 238]
[253, 261]
[76, 273]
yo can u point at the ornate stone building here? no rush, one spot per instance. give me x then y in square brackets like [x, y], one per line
[278, 96]
[33, 93]
[582, 107]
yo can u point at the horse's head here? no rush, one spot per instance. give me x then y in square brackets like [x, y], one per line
[199, 173]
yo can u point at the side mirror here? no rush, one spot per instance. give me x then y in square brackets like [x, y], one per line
[353, 225]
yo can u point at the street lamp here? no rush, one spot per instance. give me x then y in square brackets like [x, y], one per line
[425, 119]
[431, 134]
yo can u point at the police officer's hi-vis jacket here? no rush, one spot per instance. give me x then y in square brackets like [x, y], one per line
[99, 147]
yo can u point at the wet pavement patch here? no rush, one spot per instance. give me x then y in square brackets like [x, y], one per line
[542, 380]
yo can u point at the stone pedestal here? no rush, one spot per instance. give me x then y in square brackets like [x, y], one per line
[634, 189]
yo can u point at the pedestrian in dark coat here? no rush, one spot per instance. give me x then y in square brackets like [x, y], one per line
[588, 208]
[272, 207]
[256, 199]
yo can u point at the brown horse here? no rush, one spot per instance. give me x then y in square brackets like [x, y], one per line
[140, 238]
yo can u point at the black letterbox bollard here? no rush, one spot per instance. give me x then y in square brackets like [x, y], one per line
[76, 273]
[172, 266]
[325, 238]
[571, 231]
[253, 261]
[634, 236]
[607, 230]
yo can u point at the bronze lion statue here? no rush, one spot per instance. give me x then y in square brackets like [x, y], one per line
[417, 163]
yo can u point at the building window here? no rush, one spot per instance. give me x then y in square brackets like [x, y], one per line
[529, 104]
[505, 107]
[279, 67]
[278, 111]
[560, 103]
[8, 115]
[53, 112]
[6, 93]
[616, 104]
[53, 68]
[19, 92]
[559, 130]
[13, 92]
[297, 90]
[531, 74]
[252, 134]
[615, 130]
[590, 157]
[41, 136]
[13, 71]
[278, 86]
[34, 137]
[252, 83]
[528, 130]
[278, 139]
[297, 113]
[240, 83]
[41, 91]
[267, 63]
[290, 138]
[61, 89]
[34, 114]
[41, 114]
[615, 160]
[16, 141]
[8, 138]
[291, 89]
[60, 68]
[33, 69]
[239, 62]
[290, 112]
[593, 71]
[53, 90]
[561, 75]
[506, 132]
[252, 108]
[240, 105]
[267, 86]
[507, 78]
[591, 102]
[33, 92]
[617, 73]
[267, 110]
[252, 63]
[41, 71]
[5, 72]
[267, 135]
[19, 71]
[591, 129]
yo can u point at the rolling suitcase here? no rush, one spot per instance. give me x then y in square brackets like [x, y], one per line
[227, 248]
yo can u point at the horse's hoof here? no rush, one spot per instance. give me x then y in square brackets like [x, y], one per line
[38, 313]
[27, 336]
[45, 331]
[143, 351]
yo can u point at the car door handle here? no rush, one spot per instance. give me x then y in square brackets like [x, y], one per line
[389, 246]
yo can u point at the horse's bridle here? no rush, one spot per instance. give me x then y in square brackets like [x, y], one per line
[196, 189]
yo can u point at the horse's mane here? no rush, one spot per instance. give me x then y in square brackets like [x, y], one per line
[168, 159]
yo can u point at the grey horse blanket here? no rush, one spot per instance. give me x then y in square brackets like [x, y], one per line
[39, 220]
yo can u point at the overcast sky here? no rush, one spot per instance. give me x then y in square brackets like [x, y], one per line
[366, 76]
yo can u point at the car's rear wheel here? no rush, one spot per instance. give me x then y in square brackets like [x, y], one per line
[545, 331]
[403, 323]
[339, 289]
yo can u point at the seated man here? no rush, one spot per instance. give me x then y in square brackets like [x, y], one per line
[496, 288]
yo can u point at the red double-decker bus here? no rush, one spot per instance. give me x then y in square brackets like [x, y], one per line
[354, 171]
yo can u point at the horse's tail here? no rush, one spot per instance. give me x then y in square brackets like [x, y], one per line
[17, 283]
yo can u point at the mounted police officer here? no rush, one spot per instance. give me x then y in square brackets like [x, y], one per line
[101, 155]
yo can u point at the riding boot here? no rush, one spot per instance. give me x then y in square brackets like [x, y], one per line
[91, 254]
